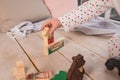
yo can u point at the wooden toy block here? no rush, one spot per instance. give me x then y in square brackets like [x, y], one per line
[46, 74]
[19, 71]
[43, 79]
[56, 46]
[45, 32]
[15, 73]
[45, 35]
[40, 76]
[62, 75]
[45, 46]
[31, 76]
[47, 39]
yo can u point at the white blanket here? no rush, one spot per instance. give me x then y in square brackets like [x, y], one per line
[94, 27]
[21, 30]
[99, 27]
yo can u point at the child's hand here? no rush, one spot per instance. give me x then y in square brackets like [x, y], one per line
[53, 24]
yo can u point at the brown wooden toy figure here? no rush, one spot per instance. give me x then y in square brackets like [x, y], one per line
[76, 70]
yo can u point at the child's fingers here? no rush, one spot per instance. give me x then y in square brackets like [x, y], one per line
[53, 27]
[51, 30]
[45, 25]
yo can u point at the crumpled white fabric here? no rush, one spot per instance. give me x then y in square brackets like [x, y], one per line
[98, 27]
[94, 27]
[21, 30]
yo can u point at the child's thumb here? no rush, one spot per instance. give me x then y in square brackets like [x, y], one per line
[51, 31]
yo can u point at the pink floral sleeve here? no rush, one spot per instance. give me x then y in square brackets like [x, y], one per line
[83, 13]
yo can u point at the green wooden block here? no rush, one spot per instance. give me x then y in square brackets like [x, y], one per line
[61, 76]
[56, 46]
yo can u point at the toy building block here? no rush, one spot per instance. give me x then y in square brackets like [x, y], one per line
[43, 79]
[40, 76]
[19, 71]
[76, 71]
[49, 45]
[56, 46]
[112, 63]
[62, 75]
[47, 39]
[46, 74]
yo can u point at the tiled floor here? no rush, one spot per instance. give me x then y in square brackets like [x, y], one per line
[30, 51]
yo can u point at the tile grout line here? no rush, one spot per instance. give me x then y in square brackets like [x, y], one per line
[82, 45]
[71, 62]
[27, 55]
[89, 76]
[64, 56]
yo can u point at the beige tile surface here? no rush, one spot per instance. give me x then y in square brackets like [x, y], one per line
[30, 50]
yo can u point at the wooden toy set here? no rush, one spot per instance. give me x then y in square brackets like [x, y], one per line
[76, 72]
[50, 45]
[19, 73]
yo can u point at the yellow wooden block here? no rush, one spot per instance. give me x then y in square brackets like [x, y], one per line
[15, 73]
[44, 35]
[43, 79]
[47, 40]
[19, 71]
[45, 32]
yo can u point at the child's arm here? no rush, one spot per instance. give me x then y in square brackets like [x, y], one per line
[83, 13]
